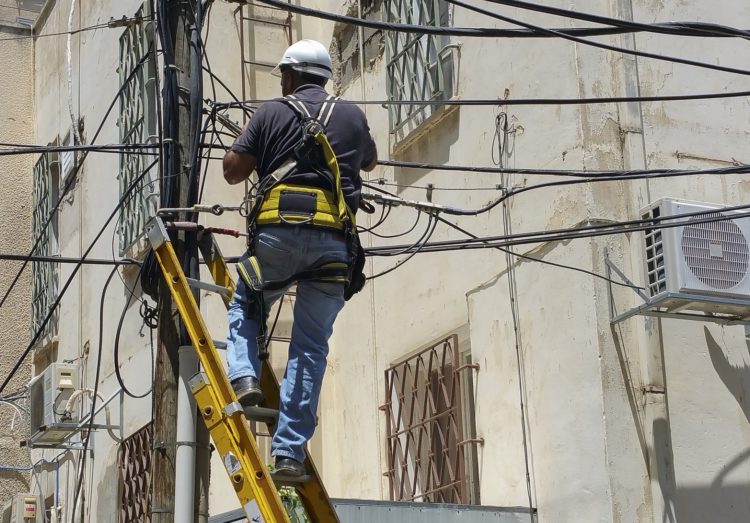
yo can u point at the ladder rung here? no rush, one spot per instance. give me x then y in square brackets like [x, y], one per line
[220, 345]
[210, 287]
[289, 481]
[268, 416]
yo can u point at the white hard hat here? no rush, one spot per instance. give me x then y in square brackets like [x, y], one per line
[307, 56]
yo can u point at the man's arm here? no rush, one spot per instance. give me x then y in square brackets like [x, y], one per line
[238, 166]
[372, 161]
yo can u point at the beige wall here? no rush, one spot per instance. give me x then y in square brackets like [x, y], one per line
[16, 121]
[599, 448]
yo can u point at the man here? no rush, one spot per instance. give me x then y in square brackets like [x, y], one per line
[285, 249]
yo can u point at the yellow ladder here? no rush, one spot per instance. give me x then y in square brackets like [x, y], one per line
[224, 417]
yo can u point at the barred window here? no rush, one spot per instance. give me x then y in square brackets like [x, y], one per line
[134, 464]
[137, 124]
[431, 430]
[44, 274]
[420, 67]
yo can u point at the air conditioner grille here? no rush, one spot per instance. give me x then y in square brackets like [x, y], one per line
[716, 252]
[656, 275]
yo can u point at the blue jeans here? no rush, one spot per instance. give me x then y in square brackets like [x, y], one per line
[284, 251]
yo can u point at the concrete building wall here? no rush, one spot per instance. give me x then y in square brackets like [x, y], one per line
[83, 213]
[642, 421]
[16, 125]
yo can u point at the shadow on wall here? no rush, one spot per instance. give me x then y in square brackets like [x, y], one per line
[735, 379]
[432, 147]
[721, 501]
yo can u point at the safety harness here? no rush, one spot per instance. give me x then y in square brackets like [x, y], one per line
[278, 202]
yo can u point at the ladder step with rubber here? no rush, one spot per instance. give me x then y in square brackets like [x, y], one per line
[225, 418]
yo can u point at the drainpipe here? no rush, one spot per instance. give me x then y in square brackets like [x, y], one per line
[184, 488]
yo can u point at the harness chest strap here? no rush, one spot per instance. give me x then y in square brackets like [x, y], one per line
[295, 204]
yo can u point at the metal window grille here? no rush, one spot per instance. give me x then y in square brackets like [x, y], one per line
[137, 124]
[135, 476]
[424, 415]
[44, 275]
[420, 67]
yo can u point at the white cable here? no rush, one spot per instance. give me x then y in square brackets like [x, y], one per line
[18, 411]
[77, 394]
[73, 119]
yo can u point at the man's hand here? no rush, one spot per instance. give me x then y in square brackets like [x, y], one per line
[238, 166]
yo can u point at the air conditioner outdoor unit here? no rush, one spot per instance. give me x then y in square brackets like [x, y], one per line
[48, 394]
[698, 266]
[23, 508]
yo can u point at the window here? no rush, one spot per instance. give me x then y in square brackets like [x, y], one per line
[420, 67]
[431, 434]
[137, 124]
[44, 274]
[134, 466]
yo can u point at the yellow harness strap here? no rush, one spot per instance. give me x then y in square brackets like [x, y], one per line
[329, 211]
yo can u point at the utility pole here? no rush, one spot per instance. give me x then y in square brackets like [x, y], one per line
[180, 27]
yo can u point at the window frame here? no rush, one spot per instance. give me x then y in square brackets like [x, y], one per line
[134, 460]
[44, 275]
[427, 422]
[137, 122]
[407, 53]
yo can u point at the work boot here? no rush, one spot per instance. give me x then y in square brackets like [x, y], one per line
[248, 391]
[288, 467]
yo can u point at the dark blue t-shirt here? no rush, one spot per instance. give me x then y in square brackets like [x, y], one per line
[274, 130]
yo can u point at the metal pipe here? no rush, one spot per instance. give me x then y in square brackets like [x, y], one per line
[184, 497]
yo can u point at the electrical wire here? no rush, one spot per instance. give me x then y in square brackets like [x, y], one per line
[112, 24]
[590, 231]
[623, 50]
[116, 351]
[105, 148]
[417, 247]
[455, 211]
[698, 29]
[66, 259]
[92, 412]
[72, 275]
[706, 29]
[527, 257]
[520, 101]
[414, 226]
[71, 178]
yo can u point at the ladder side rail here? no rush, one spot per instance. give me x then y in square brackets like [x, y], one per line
[313, 494]
[217, 401]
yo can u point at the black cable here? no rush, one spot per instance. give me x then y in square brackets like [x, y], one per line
[105, 148]
[523, 101]
[116, 351]
[701, 29]
[73, 273]
[431, 225]
[114, 24]
[633, 52]
[619, 177]
[540, 260]
[414, 226]
[529, 258]
[65, 259]
[86, 440]
[590, 231]
[677, 28]
[384, 213]
[72, 177]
